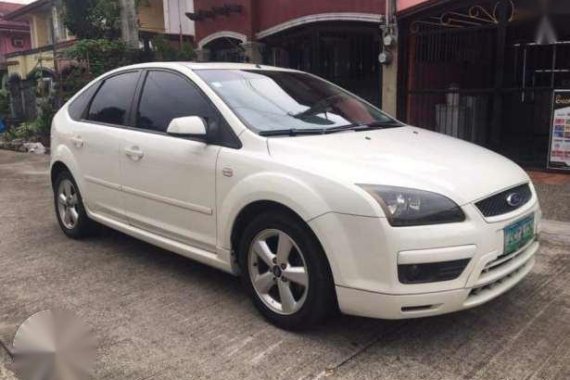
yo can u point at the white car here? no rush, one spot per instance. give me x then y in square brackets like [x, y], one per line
[317, 198]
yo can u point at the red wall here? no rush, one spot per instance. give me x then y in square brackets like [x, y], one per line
[259, 15]
[240, 23]
[274, 12]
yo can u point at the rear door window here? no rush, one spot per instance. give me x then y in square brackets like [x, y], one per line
[112, 102]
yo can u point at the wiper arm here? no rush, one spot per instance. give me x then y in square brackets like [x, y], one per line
[293, 132]
[365, 126]
[324, 131]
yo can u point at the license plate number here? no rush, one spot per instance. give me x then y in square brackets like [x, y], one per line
[518, 234]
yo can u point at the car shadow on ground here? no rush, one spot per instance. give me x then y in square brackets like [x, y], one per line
[496, 319]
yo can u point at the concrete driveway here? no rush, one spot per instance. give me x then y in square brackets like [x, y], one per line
[161, 316]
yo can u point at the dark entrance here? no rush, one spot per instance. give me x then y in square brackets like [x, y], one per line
[475, 73]
[346, 54]
[225, 49]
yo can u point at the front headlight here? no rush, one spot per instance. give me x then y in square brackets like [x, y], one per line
[410, 207]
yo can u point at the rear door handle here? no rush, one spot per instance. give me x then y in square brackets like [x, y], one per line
[77, 141]
[134, 153]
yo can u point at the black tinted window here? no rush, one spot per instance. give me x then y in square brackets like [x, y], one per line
[167, 96]
[79, 105]
[112, 102]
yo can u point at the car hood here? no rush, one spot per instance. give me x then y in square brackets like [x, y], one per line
[407, 157]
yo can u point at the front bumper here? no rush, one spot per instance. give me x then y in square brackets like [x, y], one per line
[364, 254]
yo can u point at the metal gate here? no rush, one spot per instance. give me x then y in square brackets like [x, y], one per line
[473, 73]
[344, 53]
[536, 71]
[450, 82]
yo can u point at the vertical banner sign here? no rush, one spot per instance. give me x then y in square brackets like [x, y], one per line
[559, 152]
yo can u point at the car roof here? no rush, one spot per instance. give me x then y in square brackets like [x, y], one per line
[207, 66]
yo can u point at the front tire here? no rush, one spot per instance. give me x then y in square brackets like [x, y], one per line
[285, 271]
[69, 209]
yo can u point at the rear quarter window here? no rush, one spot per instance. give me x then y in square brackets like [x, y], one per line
[78, 107]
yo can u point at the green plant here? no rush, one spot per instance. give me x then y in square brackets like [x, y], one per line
[39, 128]
[186, 53]
[95, 19]
[101, 55]
[93, 58]
[165, 50]
[24, 131]
[46, 112]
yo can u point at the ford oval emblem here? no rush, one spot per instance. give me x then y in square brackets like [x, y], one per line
[514, 199]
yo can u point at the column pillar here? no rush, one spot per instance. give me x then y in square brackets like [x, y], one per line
[497, 120]
[390, 85]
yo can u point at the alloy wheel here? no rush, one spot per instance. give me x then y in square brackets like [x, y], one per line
[67, 202]
[278, 271]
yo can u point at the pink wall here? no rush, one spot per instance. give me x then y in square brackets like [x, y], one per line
[405, 4]
[10, 29]
[6, 45]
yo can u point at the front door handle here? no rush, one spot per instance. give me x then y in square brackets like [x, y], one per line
[77, 141]
[134, 153]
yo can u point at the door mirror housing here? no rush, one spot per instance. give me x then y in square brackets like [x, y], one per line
[189, 126]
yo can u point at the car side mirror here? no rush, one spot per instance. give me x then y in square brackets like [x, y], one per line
[189, 126]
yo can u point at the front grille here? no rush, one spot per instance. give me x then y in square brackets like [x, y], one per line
[498, 204]
[506, 258]
[494, 284]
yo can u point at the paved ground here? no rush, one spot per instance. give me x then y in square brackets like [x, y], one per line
[554, 192]
[160, 316]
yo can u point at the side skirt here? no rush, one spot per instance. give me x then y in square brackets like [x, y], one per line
[221, 260]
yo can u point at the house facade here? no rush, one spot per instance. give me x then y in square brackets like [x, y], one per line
[154, 17]
[48, 34]
[472, 69]
[14, 35]
[336, 39]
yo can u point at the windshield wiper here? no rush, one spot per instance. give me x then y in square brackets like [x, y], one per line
[365, 126]
[324, 131]
[293, 132]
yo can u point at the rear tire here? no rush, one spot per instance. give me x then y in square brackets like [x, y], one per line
[69, 209]
[285, 271]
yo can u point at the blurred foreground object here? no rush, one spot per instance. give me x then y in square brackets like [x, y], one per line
[53, 345]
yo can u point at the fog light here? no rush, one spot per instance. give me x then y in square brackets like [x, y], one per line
[432, 272]
[413, 272]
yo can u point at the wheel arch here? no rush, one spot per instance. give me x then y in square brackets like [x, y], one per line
[57, 168]
[62, 159]
[269, 190]
[250, 211]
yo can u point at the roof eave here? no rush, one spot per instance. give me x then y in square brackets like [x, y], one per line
[17, 14]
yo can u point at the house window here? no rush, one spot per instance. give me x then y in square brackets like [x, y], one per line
[17, 42]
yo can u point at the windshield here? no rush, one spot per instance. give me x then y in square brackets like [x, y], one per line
[267, 100]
